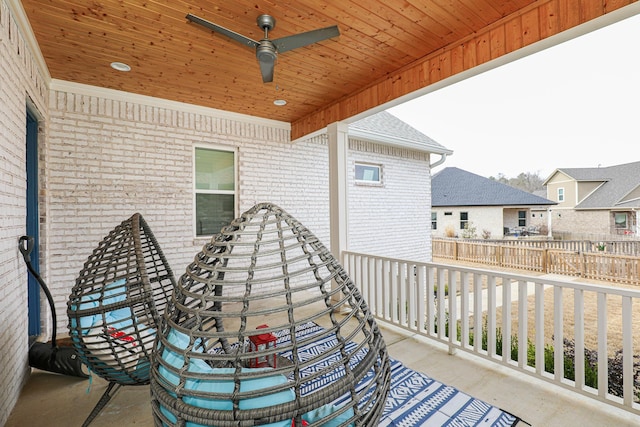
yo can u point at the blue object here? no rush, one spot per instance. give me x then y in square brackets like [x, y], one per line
[113, 292]
[170, 357]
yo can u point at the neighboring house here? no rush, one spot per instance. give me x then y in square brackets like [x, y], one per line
[603, 200]
[462, 199]
[91, 157]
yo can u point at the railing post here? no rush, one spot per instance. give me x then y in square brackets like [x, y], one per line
[453, 310]
[603, 366]
[627, 353]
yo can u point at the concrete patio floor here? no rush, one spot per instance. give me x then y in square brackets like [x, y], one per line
[55, 400]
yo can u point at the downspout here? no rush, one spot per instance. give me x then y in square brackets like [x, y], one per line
[440, 161]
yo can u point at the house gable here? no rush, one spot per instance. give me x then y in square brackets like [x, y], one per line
[567, 190]
[596, 188]
[633, 196]
[618, 182]
[557, 177]
[586, 188]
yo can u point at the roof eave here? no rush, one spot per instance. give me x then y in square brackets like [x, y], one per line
[516, 206]
[397, 142]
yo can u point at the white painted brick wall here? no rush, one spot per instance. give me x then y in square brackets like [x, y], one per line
[108, 159]
[18, 76]
[392, 219]
[488, 218]
[293, 176]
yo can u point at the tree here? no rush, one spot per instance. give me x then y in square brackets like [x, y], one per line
[525, 181]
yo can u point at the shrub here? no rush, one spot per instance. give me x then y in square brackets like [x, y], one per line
[591, 369]
[615, 368]
[435, 290]
[543, 230]
[449, 231]
[469, 231]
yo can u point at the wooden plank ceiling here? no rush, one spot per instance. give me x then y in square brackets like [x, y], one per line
[386, 49]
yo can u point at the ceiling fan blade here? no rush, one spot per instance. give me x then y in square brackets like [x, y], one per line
[218, 29]
[303, 39]
[267, 64]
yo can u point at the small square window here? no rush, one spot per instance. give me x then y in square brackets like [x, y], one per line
[368, 173]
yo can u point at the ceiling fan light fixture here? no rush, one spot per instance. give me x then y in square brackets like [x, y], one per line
[120, 66]
[280, 102]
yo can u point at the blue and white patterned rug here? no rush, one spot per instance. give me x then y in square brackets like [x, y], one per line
[414, 399]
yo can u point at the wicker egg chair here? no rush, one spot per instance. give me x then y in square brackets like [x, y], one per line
[266, 328]
[116, 304]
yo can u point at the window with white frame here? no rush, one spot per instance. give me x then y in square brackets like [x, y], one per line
[620, 219]
[434, 220]
[464, 220]
[214, 189]
[368, 173]
[522, 218]
[561, 194]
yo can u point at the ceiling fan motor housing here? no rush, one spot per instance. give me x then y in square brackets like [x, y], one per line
[266, 51]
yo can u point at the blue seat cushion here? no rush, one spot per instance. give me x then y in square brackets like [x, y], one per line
[224, 386]
[114, 292]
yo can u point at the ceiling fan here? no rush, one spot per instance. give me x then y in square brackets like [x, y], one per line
[266, 49]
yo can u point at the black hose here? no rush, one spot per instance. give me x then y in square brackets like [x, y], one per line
[26, 247]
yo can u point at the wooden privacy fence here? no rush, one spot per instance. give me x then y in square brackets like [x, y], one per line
[598, 265]
[618, 247]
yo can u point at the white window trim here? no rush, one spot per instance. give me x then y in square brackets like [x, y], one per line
[561, 197]
[466, 221]
[365, 182]
[522, 218]
[626, 221]
[195, 191]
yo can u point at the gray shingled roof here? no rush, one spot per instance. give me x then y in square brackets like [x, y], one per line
[456, 187]
[618, 181]
[386, 126]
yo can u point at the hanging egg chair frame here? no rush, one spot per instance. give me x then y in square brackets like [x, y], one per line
[116, 304]
[266, 275]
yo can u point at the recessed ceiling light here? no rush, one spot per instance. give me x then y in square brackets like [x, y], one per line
[280, 102]
[120, 66]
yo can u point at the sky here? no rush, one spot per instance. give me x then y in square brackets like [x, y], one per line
[574, 105]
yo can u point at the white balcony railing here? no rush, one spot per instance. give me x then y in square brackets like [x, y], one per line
[557, 320]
